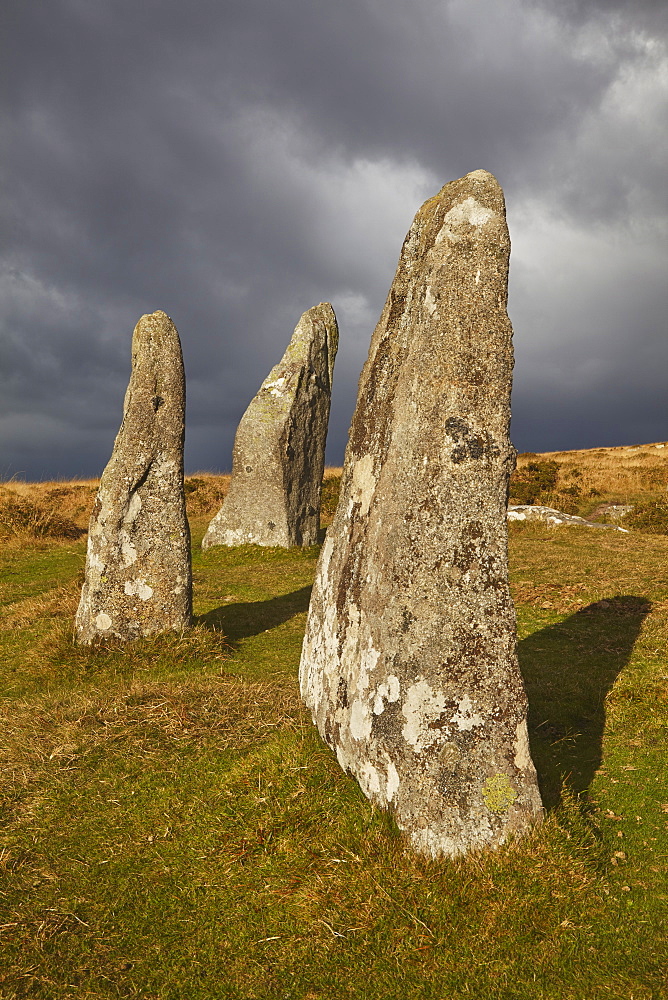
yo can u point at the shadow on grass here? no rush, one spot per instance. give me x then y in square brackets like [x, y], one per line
[239, 621]
[568, 670]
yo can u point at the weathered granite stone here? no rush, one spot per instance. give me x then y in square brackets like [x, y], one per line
[409, 661]
[279, 447]
[138, 576]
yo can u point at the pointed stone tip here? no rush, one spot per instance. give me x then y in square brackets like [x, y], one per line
[477, 178]
[321, 307]
[154, 324]
[326, 311]
[156, 332]
[482, 175]
[159, 316]
[478, 186]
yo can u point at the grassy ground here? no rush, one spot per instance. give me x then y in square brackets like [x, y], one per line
[174, 829]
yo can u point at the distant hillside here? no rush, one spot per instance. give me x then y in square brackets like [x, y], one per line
[586, 480]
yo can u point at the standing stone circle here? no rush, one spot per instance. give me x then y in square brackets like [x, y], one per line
[409, 662]
[138, 577]
[279, 447]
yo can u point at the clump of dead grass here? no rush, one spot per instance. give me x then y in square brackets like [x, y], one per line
[205, 493]
[329, 497]
[54, 509]
[23, 517]
[72, 499]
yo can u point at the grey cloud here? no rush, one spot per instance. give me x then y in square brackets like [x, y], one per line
[236, 163]
[648, 15]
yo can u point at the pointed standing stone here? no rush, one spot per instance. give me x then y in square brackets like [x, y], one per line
[409, 662]
[279, 448]
[138, 577]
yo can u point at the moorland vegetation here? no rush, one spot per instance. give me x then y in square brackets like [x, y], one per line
[173, 828]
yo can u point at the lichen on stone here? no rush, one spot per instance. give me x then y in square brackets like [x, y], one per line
[498, 794]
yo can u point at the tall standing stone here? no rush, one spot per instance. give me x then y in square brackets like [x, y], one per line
[279, 448]
[138, 576]
[409, 661]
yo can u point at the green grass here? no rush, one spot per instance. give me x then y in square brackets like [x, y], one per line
[174, 829]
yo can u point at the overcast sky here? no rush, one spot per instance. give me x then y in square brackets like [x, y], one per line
[235, 162]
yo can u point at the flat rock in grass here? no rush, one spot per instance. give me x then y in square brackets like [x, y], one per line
[534, 512]
[279, 447]
[138, 576]
[409, 662]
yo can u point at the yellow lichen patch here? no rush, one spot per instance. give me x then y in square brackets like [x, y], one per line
[498, 793]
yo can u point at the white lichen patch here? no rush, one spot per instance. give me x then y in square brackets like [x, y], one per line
[430, 301]
[319, 649]
[134, 507]
[360, 720]
[457, 839]
[465, 718]
[166, 468]
[138, 588]
[364, 483]
[370, 657]
[369, 779]
[421, 706]
[94, 562]
[393, 781]
[103, 622]
[522, 754]
[379, 781]
[388, 691]
[468, 212]
[344, 761]
[277, 386]
[128, 551]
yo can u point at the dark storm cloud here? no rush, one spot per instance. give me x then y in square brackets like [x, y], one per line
[236, 163]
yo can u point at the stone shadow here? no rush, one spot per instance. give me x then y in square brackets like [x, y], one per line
[239, 621]
[568, 669]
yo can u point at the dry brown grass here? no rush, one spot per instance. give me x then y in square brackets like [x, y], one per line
[71, 499]
[618, 475]
[205, 492]
[218, 712]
